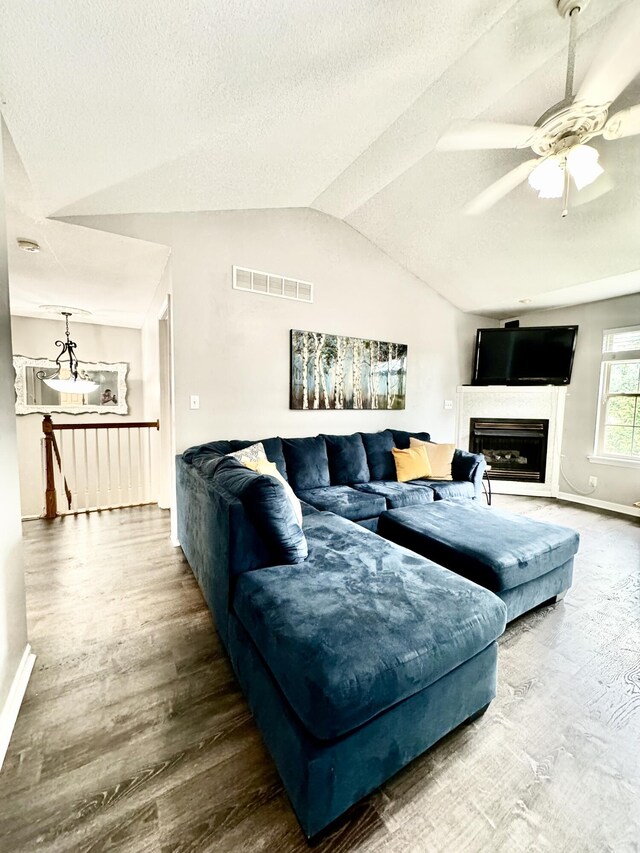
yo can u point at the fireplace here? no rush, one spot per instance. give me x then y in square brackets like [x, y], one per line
[515, 448]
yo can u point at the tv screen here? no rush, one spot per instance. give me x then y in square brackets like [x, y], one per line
[534, 355]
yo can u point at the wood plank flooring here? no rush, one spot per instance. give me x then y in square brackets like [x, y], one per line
[134, 736]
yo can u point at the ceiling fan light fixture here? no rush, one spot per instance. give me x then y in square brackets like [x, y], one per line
[548, 178]
[583, 166]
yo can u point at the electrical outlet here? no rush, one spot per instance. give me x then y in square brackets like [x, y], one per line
[195, 401]
[448, 404]
[593, 481]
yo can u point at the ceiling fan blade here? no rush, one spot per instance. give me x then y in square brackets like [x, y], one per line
[623, 123]
[617, 61]
[477, 135]
[501, 187]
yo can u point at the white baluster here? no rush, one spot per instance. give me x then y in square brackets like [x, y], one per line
[74, 488]
[108, 437]
[63, 506]
[140, 467]
[43, 471]
[149, 469]
[86, 470]
[98, 491]
[129, 472]
[118, 431]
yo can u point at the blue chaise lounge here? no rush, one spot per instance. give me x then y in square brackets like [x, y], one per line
[354, 653]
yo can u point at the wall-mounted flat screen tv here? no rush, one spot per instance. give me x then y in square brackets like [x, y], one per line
[533, 355]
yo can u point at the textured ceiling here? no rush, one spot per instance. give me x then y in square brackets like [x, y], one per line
[164, 106]
[111, 276]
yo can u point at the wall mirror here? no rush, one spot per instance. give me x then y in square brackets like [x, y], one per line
[33, 396]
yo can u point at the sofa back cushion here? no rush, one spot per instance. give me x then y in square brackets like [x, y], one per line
[411, 463]
[402, 438]
[347, 459]
[464, 465]
[378, 446]
[201, 451]
[440, 457]
[307, 463]
[272, 448]
[267, 506]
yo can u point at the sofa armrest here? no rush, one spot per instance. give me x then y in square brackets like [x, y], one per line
[469, 466]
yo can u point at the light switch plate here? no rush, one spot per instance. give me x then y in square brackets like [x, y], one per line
[448, 404]
[195, 401]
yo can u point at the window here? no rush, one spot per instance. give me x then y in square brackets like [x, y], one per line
[618, 431]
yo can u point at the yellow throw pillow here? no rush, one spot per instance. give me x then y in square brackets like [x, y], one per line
[440, 457]
[411, 464]
[263, 466]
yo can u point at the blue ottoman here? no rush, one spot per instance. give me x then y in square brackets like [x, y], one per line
[524, 562]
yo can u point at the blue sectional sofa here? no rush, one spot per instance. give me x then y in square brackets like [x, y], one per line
[355, 654]
[354, 476]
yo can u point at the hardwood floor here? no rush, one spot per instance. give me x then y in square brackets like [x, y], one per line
[134, 736]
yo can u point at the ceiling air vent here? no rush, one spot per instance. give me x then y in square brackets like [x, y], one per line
[269, 284]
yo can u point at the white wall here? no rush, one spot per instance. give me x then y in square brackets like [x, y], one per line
[615, 484]
[13, 620]
[35, 338]
[156, 385]
[232, 348]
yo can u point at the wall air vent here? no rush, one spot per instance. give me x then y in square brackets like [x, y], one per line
[270, 284]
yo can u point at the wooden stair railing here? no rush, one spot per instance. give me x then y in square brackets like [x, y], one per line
[51, 449]
[133, 467]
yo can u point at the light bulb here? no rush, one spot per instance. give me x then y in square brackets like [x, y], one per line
[548, 178]
[582, 162]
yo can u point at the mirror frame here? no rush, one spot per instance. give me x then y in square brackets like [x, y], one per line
[22, 362]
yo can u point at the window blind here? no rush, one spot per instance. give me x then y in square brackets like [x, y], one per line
[621, 344]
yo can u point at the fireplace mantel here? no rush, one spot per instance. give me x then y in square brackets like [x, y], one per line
[506, 401]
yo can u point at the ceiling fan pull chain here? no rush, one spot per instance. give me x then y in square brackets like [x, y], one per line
[565, 195]
[571, 57]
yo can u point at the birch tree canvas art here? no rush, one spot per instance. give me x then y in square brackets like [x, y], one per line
[335, 372]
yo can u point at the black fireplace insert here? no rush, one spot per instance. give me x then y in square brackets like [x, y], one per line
[515, 448]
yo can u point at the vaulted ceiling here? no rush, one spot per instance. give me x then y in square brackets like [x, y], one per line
[152, 106]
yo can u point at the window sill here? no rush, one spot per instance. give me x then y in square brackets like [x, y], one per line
[616, 461]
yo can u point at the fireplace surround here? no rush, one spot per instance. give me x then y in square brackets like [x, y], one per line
[522, 405]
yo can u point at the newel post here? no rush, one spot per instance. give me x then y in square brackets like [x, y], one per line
[50, 501]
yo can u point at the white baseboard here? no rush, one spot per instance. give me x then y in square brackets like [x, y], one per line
[9, 714]
[588, 501]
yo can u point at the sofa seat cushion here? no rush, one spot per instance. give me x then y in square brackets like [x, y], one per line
[496, 549]
[447, 490]
[361, 625]
[397, 494]
[344, 501]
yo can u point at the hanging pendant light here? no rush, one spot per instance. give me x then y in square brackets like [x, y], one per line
[73, 384]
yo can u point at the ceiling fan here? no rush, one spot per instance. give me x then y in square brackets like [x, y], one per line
[559, 136]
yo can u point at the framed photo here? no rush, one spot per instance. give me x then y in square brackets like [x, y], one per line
[336, 372]
[33, 396]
